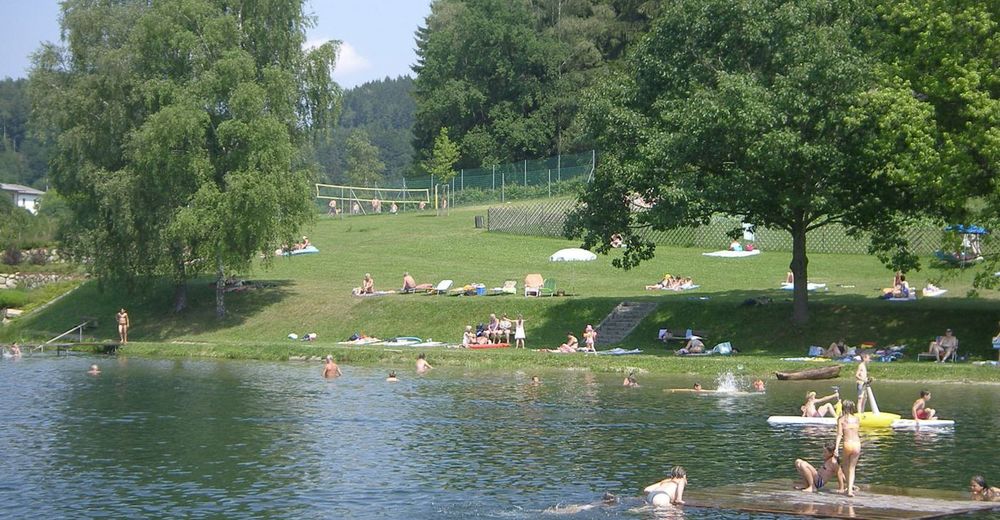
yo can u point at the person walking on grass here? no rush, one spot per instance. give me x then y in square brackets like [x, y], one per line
[123, 324]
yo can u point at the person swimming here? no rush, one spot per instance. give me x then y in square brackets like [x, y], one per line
[669, 491]
[94, 370]
[392, 377]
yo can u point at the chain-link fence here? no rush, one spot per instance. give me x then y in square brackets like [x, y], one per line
[549, 219]
[531, 179]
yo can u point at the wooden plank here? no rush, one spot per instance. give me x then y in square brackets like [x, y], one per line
[871, 502]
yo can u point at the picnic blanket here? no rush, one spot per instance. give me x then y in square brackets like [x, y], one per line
[304, 251]
[732, 254]
[618, 352]
[786, 286]
[360, 341]
[685, 287]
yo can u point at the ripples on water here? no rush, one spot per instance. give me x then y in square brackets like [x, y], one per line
[244, 439]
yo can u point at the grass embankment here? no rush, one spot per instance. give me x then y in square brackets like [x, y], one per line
[311, 293]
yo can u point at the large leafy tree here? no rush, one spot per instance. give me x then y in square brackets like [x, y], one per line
[364, 167]
[764, 109]
[949, 53]
[180, 130]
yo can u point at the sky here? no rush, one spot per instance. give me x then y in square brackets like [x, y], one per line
[377, 35]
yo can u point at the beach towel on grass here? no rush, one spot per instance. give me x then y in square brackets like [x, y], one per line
[933, 293]
[618, 352]
[304, 251]
[732, 254]
[809, 286]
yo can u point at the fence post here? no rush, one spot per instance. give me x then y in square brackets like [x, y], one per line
[503, 184]
[494, 178]
[559, 167]
[550, 183]
[525, 173]
[463, 179]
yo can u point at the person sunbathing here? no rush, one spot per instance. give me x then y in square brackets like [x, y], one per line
[505, 326]
[944, 347]
[493, 329]
[409, 284]
[902, 289]
[809, 409]
[468, 337]
[368, 284]
[570, 346]
[837, 349]
[693, 346]
[662, 284]
[617, 241]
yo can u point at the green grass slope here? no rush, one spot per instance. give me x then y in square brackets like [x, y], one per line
[311, 293]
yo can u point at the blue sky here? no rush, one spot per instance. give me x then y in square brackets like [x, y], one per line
[377, 34]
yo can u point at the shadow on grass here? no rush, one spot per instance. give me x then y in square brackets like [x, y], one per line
[150, 311]
[769, 329]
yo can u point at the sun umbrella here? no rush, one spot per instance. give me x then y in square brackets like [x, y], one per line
[572, 254]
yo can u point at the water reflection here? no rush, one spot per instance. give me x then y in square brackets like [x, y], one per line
[185, 438]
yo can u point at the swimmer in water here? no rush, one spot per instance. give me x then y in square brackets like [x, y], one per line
[94, 370]
[758, 385]
[535, 381]
[630, 381]
[422, 364]
[669, 491]
[392, 377]
[983, 491]
[697, 387]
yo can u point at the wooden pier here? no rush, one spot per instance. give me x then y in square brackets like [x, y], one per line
[871, 502]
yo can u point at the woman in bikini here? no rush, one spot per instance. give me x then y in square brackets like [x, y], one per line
[983, 491]
[810, 410]
[847, 430]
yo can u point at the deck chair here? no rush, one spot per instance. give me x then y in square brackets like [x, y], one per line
[548, 288]
[509, 287]
[533, 284]
[441, 288]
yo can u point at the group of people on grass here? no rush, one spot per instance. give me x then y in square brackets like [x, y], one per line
[942, 348]
[495, 331]
[672, 283]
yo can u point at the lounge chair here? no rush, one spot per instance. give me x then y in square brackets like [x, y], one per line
[509, 287]
[533, 284]
[548, 288]
[442, 288]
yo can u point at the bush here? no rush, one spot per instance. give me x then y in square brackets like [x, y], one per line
[12, 255]
[13, 298]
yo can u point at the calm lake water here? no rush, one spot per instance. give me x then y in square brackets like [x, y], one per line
[227, 439]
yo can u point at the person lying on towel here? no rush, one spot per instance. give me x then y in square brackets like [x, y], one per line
[694, 346]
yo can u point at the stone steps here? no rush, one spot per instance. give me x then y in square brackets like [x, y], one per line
[622, 320]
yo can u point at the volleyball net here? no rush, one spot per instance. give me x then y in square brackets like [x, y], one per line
[360, 200]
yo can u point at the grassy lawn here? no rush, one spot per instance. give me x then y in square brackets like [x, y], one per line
[311, 293]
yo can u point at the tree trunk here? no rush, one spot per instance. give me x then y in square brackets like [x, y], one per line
[180, 296]
[800, 271]
[220, 288]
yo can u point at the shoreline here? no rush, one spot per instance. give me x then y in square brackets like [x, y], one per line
[744, 365]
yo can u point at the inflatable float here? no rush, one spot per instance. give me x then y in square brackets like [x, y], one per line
[910, 424]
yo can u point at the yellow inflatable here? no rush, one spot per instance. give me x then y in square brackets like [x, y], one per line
[877, 420]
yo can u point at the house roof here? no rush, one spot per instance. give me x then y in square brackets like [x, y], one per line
[17, 188]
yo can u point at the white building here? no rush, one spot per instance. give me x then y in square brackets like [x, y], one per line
[23, 196]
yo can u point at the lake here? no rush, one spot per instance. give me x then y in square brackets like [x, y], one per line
[235, 439]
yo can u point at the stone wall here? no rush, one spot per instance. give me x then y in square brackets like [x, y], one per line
[31, 280]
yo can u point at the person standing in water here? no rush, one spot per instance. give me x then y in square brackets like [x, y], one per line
[392, 377]
[669, 491]
[330, 369]
[422, 364]
[863, 380]
[123, 324]
[94, 370]
[848, 425]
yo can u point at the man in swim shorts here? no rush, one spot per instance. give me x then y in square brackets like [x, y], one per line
[862, 379]
[330, 369]
[920, 410]
[815, 479]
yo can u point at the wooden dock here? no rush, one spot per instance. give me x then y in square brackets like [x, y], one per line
[871, 502]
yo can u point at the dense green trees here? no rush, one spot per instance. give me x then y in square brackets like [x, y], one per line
[364, 168]
[771, 110]
[180, 129]
[23, 155]
[384, 110]
[504, 76]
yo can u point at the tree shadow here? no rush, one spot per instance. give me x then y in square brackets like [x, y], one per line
[151, 311]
